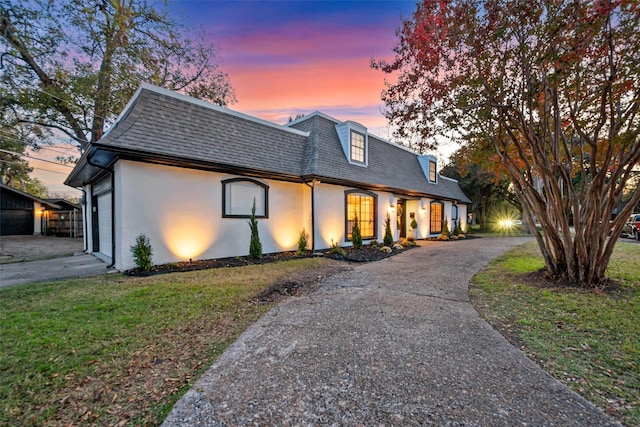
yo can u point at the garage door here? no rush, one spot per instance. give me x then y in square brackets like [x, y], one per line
[104, 223]
[16, 221]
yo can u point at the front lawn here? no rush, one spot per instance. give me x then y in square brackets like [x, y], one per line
[116, 350]
[589, 340]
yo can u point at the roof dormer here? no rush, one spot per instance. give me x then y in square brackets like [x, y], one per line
[429, 165]
[355, 142]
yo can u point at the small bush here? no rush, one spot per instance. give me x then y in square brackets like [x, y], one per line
[398, 246]
[409, 241]
[457, 230]
[336, 249]
[302, 242]
[388, 238]
[374, 243]
[255, 247]
[445, 227]
[414, 223]
[356, 236]
[386, 249]
[142, 253]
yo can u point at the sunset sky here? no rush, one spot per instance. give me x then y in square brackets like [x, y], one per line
[294, 57]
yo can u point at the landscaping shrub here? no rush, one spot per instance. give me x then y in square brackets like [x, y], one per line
[142, 253]
[445, 227]
[302, 242]
[255, 247]
[388, 238]
[336, 249]
[356, 236]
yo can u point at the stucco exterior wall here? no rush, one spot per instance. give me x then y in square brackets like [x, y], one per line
[180, 210]
[37, 218]
[330, 215]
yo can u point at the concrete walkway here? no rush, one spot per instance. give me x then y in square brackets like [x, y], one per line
[70, 267]
[389, 343]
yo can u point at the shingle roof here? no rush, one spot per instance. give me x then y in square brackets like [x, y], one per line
[389, 165]
[171, 125]
[158, 123]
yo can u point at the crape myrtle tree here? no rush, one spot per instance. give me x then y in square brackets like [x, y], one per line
[72, 65]
[554, 86]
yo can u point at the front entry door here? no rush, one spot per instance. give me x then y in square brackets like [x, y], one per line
[402, 222]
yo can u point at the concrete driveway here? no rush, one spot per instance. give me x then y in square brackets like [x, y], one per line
[30, 259]
[394, 343]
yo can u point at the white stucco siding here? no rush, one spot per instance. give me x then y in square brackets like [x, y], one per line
[37, 218]
[180, 210]
[330, 214]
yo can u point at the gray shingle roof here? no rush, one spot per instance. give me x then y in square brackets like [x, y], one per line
[389, 165]
[161, 124]
[171, 126]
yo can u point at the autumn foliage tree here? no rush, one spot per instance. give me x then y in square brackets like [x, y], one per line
[71, 66]
[554, 87]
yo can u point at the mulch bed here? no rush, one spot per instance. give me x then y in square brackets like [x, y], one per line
[365, 254]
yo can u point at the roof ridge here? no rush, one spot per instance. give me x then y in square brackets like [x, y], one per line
[201, 103]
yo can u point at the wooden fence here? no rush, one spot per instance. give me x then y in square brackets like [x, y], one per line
[63, 223]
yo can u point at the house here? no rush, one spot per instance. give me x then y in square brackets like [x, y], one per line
[21, 213]
[186, 174]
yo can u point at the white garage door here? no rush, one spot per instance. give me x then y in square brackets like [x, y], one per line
[104, 223]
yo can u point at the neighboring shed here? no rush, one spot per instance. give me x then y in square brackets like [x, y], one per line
[20, 212]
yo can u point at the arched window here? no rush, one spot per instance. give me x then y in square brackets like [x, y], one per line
[238, 196]
[364, 205]
[436, 217]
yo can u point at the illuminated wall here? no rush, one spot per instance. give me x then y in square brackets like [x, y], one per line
[330, 215]
[180, 210]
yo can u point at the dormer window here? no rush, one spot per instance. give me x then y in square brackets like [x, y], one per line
[357, 147]
[429, 166]
[354, 141]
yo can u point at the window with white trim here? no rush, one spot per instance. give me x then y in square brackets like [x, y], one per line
[358, 148]
[432, 171]
[238, 196]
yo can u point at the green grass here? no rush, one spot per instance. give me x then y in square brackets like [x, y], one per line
[590, 340]
[116, 349]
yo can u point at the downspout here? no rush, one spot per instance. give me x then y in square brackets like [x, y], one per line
[113, 211]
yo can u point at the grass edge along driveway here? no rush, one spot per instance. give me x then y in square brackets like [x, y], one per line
[117, 350]
[589, 340]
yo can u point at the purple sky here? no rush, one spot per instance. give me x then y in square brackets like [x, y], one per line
[291, 57]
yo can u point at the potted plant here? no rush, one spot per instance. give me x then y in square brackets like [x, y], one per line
[412, 231]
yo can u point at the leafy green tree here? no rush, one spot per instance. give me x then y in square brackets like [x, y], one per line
[554, 88]
[71, 66]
